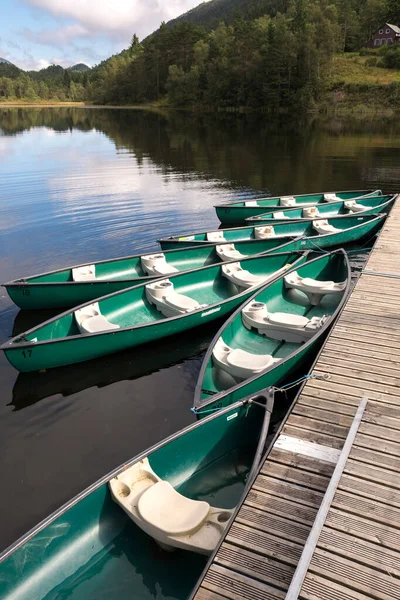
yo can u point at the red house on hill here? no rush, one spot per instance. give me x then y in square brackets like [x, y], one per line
[387, 34]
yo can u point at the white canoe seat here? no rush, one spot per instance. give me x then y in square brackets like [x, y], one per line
[287, 201]
[331, 198]
[280, 215]
[315, 290]
[172, 519]
[156, 264]
[244, 279]
[169, 302]
[262, 233]
[280, 326]
[353, 207]
[90, 320]
[229, 252]
[85, 273]
[239, 363]
[310, 212]
[251, 203]
[165, 509]
[215, 236]
[323, 227]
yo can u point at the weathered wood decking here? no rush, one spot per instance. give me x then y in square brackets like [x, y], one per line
[358, 552]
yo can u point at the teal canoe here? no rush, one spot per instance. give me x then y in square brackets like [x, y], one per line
[344, 208]
[144, 313]
[268, 338]
[238, 212]
[336, 231]
[65, 288]
[90, 548]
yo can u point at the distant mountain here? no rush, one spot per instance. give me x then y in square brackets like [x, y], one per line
[3, 60]
[79, 67]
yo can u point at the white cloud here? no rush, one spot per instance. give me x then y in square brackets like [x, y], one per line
[56, 37]
[116, 18]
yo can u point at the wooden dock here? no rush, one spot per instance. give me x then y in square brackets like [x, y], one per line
[357, 551]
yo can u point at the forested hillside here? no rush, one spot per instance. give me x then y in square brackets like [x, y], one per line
[225, 53]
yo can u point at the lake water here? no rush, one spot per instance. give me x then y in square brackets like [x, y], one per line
[80, 185]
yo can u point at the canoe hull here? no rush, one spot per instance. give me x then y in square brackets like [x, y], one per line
[231, 215]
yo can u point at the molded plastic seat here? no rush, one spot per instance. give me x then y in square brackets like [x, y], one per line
[331, 198]
[353, 207]
[261, 233]
[156, 264]
[310, 212]
[162, 507]
[288, 320]
[239, 363]
[215, 236]
[90, 320]
[280, 215]
[228, 252]
[85, 273]
[314, 289]
[181, 302]
[251, 203]
[323, 227]
[241, 277]
[287, 201]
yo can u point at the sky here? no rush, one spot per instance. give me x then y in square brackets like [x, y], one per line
[37, 33]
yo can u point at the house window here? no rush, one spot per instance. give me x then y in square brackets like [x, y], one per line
[381, 31]
[377, 42]
[383, 41]
[387, 31]
[389, 41]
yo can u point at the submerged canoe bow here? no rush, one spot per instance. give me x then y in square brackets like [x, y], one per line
[91, 548]
[145, 313]
[238, 212]
[320, 233]
[361, 206]
[65, 288]
[266, 340]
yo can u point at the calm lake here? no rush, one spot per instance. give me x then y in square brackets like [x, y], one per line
[80, 185]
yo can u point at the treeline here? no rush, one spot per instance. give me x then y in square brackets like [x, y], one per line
[53, 83]
[280, 59]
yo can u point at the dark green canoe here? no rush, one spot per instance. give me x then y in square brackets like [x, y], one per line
[91, 549]
[338, 231]
[360, 206]
[238, 212]
[69, 287]
[267, 339]
[144, 313]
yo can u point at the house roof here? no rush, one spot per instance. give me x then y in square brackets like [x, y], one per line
[394, 27]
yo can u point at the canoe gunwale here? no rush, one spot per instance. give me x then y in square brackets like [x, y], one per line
[106, 478]
[201, 403]
[364, 194]
[18, 342]
[24, 281]
[259, 220]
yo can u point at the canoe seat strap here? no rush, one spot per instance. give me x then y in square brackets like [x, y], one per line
[281, 326]
[315, 290]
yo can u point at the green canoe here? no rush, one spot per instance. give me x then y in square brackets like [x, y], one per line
[144, 313]
[90, 548]
[238, 212]
[266, 340]
[334, 232]
[75, 285]
[361, 206]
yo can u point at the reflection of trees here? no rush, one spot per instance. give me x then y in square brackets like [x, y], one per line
[248, 150]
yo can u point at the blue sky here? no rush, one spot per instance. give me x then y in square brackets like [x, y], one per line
[36, 33]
